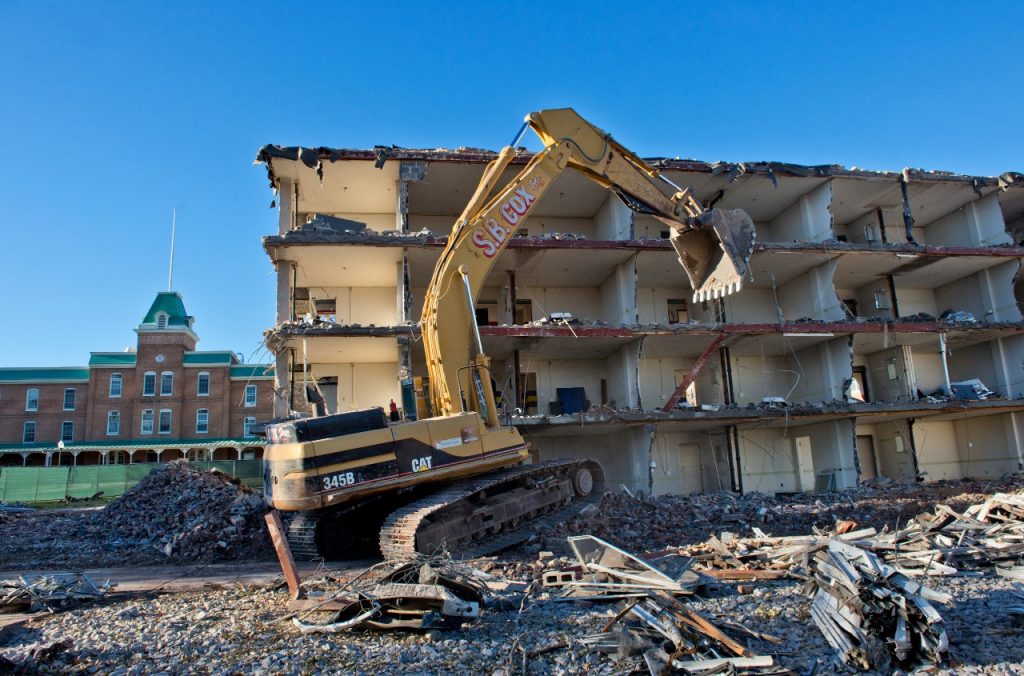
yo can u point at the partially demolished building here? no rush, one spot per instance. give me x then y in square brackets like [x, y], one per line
[878, 333]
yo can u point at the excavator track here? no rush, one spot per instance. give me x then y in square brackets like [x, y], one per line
[485, 514]
[301, 535]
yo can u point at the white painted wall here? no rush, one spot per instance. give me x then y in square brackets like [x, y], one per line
[915, 301]
[618, 295]
[768, 461]
[978, 223]
[988, 445]
[755, 378]
[712, 455]
[812, 295]
[362, 385]
[809, 219]
[614, 220]
[582, 302]
[928, 371]
[823, 368]
[750, 306]
[361, 305]
[892, 464]
[652, 303]
[937, 452]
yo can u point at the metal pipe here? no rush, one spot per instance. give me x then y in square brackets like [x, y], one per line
[945, 365]
[472, 310]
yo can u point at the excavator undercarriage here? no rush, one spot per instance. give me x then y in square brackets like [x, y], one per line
[473, 517]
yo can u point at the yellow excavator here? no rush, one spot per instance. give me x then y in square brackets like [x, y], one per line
[457, 480]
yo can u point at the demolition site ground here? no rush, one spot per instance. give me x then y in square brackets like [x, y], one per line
[715, 583]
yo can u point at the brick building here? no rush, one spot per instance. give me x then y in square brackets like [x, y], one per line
[162, 401]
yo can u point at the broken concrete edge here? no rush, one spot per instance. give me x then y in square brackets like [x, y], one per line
[314, 157]
[429, 240]
[298, 329]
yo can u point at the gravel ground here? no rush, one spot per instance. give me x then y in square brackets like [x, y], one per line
[240, 631]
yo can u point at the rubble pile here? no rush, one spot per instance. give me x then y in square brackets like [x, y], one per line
[870, 613]
[188, 514]
[647, 524]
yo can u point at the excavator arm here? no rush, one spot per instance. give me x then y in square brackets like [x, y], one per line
[713, 245]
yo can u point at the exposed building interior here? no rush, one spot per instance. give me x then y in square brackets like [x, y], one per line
[878, 334]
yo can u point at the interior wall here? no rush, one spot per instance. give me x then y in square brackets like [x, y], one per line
[916, 301]
[809, 219]
[362, 385]
[938, 453]
[623, 372]
[976, 361]
[667, 467]
[823, 369]
[988, 445]
[768, 461]
[832, 448]
[812, 295]
[750, 306]
[618, 295]
[754, 378]
[585, 373]
[892, 463]
[978, 223]
[582, 302]
[884, 388]
[928, 371]
[652, 303]
[657, 379]
[614, 220]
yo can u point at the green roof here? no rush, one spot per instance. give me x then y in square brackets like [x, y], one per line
[170, 304]
[246, 371]
[55, 374]
[112, 359]
[193, 358]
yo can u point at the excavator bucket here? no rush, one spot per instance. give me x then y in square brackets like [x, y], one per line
[715, 251]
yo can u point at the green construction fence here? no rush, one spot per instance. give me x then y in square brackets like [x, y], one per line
[51, 484]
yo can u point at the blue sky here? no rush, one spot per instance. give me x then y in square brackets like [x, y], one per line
[113, 114]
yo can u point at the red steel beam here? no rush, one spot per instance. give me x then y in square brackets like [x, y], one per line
[692, 374]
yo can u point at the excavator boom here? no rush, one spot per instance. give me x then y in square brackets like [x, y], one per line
[713, 245]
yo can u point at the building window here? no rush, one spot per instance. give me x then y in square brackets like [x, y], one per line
[247, 427]
[250, 395]
[202, 421]
[67, 431]
[69, 399]
[203, 386]
[161, 321]
[28, 433]
[116, 381]
[166, 384]
[165, 421]
[32, 399]
[149, 384]
[113, 423]
[147, 421]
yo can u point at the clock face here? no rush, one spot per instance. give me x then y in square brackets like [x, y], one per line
[159, 359]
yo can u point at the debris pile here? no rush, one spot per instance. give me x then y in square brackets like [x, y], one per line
[667, 635]
[869, 612]
[427, 593]
[649, 524]
[188, 514]
[30, 593]
[652, 624]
